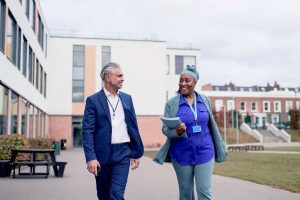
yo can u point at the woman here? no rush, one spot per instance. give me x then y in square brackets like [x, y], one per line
[195, 144]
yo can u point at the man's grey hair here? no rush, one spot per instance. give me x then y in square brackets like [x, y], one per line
[107, 69]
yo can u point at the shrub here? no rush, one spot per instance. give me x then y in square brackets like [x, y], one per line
[9, 142]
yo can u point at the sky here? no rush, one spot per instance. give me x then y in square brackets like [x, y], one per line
[247, 42]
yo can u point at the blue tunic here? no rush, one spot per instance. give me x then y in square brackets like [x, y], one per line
[198, 148]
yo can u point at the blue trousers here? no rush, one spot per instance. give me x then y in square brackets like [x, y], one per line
[112, 179]
[202, 174]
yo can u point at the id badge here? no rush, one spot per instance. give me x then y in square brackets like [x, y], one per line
[196, 129]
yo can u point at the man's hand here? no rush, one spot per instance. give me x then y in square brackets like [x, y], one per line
[93, 167]
[135, 163]
[180, 129]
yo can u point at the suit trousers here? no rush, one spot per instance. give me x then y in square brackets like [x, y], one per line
[202, 174]
[112, 179]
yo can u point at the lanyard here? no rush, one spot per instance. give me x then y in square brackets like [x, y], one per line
[194, 110]
[114, 109]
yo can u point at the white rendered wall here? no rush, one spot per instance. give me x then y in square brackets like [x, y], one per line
[9, 73]
[172, 78]
[143, 63]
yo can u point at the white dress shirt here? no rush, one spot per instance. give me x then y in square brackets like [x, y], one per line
[119, 127]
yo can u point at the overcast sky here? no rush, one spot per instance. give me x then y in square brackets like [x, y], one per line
[248, 42]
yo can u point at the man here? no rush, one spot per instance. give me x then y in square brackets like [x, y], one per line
[110, 135]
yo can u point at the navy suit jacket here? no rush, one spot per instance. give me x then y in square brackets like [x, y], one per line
[96, 126]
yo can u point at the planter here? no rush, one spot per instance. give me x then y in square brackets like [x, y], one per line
[5, 168]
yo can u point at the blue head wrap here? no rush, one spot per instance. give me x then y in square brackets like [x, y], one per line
[192, 70]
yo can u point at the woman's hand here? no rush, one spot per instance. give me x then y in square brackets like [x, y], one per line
[180, 129]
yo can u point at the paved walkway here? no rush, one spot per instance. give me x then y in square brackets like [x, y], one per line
[149, 182]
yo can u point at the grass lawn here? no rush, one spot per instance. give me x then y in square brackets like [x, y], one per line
[297, 149]
[277, 170]
[295, 135]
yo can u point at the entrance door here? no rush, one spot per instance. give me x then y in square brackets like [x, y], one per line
[77, 131]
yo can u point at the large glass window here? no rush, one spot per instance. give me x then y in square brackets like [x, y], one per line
[31, 116]
[37, 123]
[23, 108]
[32, 14]
[2, 24]
[30, 65]
[182, 61]
[106, 55]
[27, 10]
[11, 38]
[37, 74]
[78, 73]
[3, 109]
[19, 48]
[45, 84]
[24, 56]
[14, 112]
[41, 32]
[41, 79]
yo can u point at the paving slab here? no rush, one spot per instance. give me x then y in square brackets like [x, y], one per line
[149, 182]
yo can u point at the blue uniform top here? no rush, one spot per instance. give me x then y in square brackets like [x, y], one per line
[198, 148]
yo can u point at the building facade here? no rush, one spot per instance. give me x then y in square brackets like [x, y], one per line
[265, 104]
[45, 80]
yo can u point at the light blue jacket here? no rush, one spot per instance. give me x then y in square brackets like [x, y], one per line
[171, 109]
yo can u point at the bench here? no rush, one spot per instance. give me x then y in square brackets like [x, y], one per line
[58, 167]
[32, 165]
[241, 148]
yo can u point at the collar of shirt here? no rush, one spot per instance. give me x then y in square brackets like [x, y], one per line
[183, 100]
[107, 93]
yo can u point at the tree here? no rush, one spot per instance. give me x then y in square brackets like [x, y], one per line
[295, 118]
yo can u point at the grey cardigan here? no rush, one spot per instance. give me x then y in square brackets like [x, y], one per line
[171, 109]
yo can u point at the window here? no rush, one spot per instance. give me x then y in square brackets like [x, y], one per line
[23, 108]
[11, 38]
[30, 65]
[106, 55]
[41, 32]
[297, 105]
[2, 24]
[14, 113]
[24, 56]
[168, 64]
[3, 109]
[182, 61]
[32, 14]
[218, 105]
[230, 105]
[27, 8]
[46, 45]
[45, 85]
[31, 115]
[254, 106]
[78, 73]
[37, 74]
[266, 106]
[19, 49]
[243, 106]
[288, 106]
[41, 79]
[277, 106]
